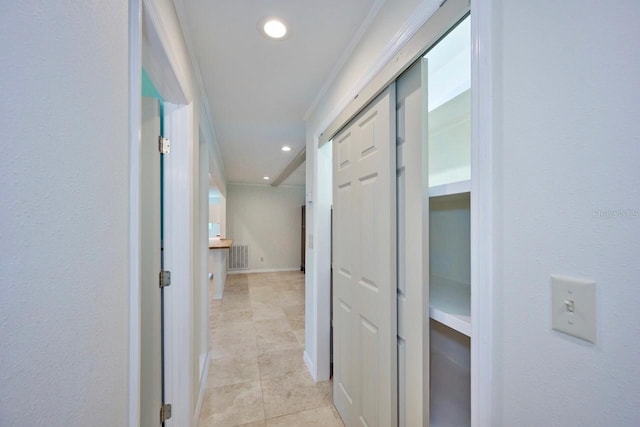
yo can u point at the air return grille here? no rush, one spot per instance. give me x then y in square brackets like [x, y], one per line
[238, 257]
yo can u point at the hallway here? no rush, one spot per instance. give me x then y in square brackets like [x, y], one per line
[257, 376]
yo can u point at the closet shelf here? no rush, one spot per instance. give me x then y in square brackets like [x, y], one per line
[449, 304]
[450, 188]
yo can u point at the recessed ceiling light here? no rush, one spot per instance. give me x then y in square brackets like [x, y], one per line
[275, 28]
[286, 148]
[266, 178]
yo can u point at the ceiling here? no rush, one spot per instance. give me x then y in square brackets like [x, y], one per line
[260, 89]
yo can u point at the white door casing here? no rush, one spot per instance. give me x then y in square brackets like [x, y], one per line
[413, 247]
[150, 336]
[364, 236]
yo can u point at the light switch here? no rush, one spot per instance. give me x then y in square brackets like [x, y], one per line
[573, 306]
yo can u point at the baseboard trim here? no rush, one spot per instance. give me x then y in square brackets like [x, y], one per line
[263, 270]
[203, 388]
[310, 366]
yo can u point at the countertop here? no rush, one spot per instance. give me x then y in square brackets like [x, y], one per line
[220, 244]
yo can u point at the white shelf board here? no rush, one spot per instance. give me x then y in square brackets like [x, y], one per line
[450, 188]
[450, 304]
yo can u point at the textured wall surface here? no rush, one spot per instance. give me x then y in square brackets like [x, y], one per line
[568, 146]
[64, 213]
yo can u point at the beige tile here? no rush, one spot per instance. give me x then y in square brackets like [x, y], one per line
[258, 332]
[265, 295]
[293, 286]
[233, 370]
[239, 330]
[233, 340]
[293, 310]
[233, 346]
[296, 322]
[272, 325]
[236, 290]
[254, 284]
[275, 341]
[280, 363]
[236, 315]
[255, 424]
[221, 350]
[263, 311]
[293, 393]
[319, 417]
[274, 335]
[234, 302]
[295, 316]
[288, 298]
[299, 334]
[232, 405]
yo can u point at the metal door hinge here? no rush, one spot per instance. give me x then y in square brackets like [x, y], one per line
[164, 145]
[165, 279]
[165, 412]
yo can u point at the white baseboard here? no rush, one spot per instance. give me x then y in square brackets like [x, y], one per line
[263, 270]
[310, 366]
[203, 388]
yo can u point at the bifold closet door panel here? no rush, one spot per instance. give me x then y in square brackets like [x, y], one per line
[364, 266]
[413, 246]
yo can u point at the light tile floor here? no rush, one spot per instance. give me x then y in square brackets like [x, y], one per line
[257, 376]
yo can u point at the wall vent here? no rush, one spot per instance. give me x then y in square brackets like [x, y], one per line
[238, 257]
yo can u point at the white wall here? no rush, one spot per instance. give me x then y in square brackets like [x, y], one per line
[64, 297]
[269, 220]
[567, 139]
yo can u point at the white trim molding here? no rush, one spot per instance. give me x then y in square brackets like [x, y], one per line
[169, 77]
[135, 91]
[178, 243]
[307, 361]
[482, 219]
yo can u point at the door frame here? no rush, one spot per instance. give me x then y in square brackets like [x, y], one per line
[411, 41]
[154, 50]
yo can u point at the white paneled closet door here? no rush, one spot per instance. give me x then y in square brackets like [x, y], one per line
[364, 266]
[413, 247]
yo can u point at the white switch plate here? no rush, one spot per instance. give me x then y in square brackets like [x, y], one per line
[573, 306]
